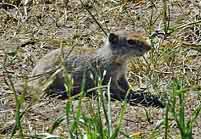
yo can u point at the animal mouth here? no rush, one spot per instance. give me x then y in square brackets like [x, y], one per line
[147, 47]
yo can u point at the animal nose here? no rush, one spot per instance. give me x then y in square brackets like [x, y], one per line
[148, 45]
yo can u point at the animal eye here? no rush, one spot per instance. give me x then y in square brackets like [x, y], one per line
[131, 42]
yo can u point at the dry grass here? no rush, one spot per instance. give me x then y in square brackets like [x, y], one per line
[25, 36]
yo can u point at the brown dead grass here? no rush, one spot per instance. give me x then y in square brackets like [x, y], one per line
[47, 25]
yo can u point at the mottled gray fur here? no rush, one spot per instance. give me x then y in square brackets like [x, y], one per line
[110, 59]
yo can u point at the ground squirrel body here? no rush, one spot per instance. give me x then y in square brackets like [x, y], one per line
[110, 59]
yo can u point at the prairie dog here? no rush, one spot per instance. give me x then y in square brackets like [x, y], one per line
[110, 59]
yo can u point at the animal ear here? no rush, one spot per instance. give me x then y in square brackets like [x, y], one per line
[113, 38]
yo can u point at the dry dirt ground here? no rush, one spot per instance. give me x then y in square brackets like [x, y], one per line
[25, 36]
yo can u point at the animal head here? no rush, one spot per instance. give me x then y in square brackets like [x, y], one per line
[128, 44]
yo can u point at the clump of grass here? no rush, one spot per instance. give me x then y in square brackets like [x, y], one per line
[19, 99]
[176, 106]
[97, 123]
